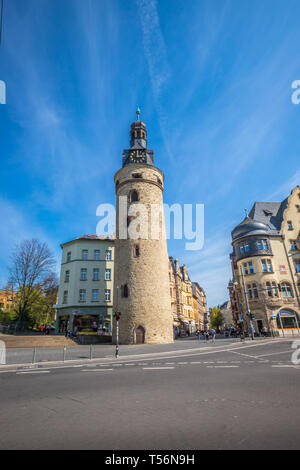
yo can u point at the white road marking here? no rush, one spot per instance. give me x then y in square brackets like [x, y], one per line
[246, 355]
[288, 365]
[195, 362]
[95, 370]
[276, 353]
[223, 367]
[157, 368]
[129, 364]
[181, 362]
[34, 372]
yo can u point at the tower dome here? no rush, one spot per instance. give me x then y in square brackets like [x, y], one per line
[249, 227]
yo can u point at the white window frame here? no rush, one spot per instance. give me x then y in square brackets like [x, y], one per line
[95, 295]
[82, 295]
[96, 271]
[83, 270]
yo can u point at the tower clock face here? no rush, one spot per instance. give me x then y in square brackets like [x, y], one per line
[137, 156]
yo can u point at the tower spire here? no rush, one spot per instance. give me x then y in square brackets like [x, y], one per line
[138, 112]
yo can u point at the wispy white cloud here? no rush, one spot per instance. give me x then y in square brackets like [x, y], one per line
[157, 59]
[285, 189]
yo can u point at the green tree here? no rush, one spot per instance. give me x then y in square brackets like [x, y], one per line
[41, 309]
[31, 267]
[216, 318]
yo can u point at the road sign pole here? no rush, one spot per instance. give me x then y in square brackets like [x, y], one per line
[117, 325]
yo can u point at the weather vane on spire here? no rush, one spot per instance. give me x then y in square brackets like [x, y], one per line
[138, 112]
[246, 212]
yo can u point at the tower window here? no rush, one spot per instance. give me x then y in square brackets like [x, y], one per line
[137, 175]
[136, 251]
[125, 290]
[134, 196]
[290, 225]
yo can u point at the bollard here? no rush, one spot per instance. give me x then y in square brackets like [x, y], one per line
[64, 353]
[34, 355]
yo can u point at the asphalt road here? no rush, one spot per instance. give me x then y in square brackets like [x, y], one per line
[223, 396]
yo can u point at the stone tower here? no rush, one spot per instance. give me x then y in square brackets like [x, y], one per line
[141, 258]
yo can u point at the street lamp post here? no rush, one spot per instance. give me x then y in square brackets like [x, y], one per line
[247, 304]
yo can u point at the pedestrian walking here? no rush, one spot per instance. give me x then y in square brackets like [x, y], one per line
[213, 335]
[199, 334]
[206, 335]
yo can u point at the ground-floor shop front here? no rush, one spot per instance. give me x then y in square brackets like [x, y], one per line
[273, 322]
[93, 320]
[185, 328]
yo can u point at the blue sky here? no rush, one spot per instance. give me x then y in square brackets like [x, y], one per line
[213, 80]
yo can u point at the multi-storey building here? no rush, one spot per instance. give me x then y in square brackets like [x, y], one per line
[200, 298]
[226, 311]
[6, 299]
[188, 300]
[266, 254]
[85, 296]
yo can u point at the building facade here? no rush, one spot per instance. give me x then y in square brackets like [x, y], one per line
[226, 311]
[142, 291]
[266, 265]
[188, 300]
[85, 295]
[6, 299]
[200, 298]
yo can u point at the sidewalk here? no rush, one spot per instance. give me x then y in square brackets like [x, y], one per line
[69, 357]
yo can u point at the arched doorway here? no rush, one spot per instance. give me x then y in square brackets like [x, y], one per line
[139, 335]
